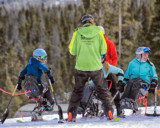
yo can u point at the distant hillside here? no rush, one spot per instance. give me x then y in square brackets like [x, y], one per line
[18, 4]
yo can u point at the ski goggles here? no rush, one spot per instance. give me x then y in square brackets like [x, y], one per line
[103, 56]
[146, 50]
[43, 57]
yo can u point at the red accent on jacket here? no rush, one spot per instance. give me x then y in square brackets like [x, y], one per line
[112, 57]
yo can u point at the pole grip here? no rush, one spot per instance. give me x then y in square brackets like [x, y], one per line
[50, 85]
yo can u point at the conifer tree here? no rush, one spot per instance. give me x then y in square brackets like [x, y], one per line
[154, 36]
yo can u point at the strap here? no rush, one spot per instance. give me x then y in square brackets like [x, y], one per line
[125, 79]
[120, 74]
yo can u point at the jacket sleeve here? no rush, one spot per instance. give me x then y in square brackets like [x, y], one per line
[45, 69]
[119, 72]
[112, 57]
[127, 74]
[73, 44]
[103, 47]
[22, 74]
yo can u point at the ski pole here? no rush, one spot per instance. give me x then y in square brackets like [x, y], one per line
[6, 112]
[114, 96]
[155, 105]
[60, 112]
[155, 101]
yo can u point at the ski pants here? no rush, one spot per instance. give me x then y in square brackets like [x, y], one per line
[113, 90]
[133, 88]
[81, 77]
[47, 94]
[88, 90]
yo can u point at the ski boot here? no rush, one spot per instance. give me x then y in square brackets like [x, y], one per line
[108, 111]
[36, 117]
[72, 114]
[47, 107]
[120, 113]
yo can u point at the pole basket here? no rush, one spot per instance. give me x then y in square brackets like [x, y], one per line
[154, 114]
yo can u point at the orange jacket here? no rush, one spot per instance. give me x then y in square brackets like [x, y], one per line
[112, 57]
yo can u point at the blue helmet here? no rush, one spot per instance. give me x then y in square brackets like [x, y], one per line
[40, 54]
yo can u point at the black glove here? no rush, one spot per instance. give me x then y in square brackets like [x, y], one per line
[52, 79]
[120, 86]
[19, 87]
[152, 88]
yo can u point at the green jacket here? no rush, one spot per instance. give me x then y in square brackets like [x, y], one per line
[88, 44]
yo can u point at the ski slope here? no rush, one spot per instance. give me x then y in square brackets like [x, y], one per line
[51, 121]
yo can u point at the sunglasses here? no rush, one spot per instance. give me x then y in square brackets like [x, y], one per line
[43, 57]
[146, 50]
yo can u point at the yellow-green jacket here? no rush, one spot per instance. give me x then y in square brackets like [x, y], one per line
[88, 44]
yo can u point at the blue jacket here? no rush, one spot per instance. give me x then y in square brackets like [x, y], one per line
[141, 70]
[112, 69]
[35, 68]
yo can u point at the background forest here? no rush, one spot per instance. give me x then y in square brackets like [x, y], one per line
[51, 28]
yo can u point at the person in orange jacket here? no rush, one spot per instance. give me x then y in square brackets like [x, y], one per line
[112, 59]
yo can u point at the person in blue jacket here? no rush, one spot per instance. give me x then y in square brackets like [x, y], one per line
[34, 71]
[107, 69]
[140, 77]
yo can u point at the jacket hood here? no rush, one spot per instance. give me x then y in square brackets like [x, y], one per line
[33, 60]
[88, 30]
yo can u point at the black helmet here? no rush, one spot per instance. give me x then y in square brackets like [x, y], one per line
[86, 17]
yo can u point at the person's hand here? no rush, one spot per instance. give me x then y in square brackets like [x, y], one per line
[52, 79]
[19, 87]
[152, 88]
[120, 86]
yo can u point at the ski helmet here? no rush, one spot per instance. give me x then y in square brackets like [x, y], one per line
[86, 17]
[40, 54]
[140, 51]
[102, 29]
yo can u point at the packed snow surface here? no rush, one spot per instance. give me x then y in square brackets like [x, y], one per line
[51, 121]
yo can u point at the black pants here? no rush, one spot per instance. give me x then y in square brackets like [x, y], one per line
[113, 91]
[133, 87]
[81, 77]
[47, 94]
[90, 88]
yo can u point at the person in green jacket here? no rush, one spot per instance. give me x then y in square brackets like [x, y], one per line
[88, 44]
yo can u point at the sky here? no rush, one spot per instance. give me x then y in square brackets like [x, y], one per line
[51, 121]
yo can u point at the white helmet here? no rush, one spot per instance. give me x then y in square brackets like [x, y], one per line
[102, 29]
[140, 51]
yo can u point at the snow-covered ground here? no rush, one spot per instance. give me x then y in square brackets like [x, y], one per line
[51, 121]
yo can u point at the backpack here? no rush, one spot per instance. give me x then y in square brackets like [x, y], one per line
[32, 83]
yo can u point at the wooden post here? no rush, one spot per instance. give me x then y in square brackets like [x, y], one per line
[120, 28]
